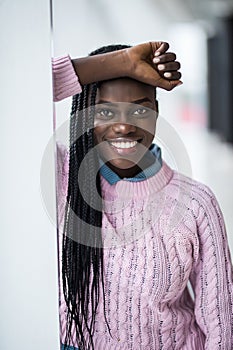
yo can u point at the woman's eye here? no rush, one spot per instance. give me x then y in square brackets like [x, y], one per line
[141, 111]
[104, 114]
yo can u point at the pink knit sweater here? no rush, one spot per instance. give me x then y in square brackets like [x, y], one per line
[161, 234]
[65, 81]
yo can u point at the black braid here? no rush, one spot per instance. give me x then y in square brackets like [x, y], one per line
[78, 259]
[82, 252]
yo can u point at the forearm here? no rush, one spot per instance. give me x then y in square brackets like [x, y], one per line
[102, 67]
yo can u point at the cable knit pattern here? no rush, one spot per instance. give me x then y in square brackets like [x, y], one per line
[65, 80]
[159, 234]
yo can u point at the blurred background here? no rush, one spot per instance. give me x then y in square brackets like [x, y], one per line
[199, 112]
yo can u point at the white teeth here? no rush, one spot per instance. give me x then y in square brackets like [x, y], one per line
[127, 144]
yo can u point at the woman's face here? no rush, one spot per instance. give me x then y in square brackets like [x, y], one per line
[124, 128]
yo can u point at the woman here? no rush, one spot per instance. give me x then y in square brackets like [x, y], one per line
[136, 232]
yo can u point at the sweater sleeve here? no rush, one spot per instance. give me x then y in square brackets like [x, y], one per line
[65, 80]
[212, 277]
[62, 163]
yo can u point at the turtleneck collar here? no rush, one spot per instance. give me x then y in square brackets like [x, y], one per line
[137, 189]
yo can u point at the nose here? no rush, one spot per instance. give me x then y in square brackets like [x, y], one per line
[123, 128]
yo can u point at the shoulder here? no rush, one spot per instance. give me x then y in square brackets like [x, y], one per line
[198, 196]
[194, 209]
[191, 186]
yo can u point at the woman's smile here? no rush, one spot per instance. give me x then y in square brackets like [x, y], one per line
[123, 146]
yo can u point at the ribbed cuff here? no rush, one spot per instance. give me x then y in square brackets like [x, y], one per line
[65, 80]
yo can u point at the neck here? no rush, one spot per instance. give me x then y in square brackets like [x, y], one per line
[144, 163]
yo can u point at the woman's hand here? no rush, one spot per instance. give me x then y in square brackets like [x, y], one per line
[152, 64]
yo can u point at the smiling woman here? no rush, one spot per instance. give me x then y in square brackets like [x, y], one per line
[136, 233]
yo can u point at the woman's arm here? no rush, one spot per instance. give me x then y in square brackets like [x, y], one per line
[212, 276]
[134, 62]
[149, 62]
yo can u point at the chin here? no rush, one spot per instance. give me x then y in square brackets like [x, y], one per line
[121, 164]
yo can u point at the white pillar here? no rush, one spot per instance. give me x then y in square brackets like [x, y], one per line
[28, 261]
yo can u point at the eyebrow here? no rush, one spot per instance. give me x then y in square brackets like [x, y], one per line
[139, 101]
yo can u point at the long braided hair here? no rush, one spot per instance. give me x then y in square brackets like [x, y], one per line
[82, 251]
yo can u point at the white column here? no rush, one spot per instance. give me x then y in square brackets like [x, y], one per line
[28, 261]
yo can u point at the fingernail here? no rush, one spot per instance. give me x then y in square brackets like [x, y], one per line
[161, 67]
[157, 53]
[167, 75]
[156, 60]
[180, 83]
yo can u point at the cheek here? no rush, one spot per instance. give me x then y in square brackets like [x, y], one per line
[97, 134]
[149, 129]
[153, 127]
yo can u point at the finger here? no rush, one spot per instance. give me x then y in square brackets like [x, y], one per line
[171, 66]
[173, 84]
[172, 75]
[167, 57]
[159, 48]
[168, 84]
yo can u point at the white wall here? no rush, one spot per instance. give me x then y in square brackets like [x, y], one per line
[28, 292]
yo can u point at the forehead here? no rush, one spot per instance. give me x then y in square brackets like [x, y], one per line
[124, 90]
